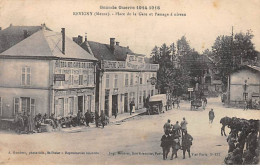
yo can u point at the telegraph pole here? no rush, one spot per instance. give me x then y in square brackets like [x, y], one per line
[232, 55]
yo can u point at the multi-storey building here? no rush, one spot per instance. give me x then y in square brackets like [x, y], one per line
[46, 73]
[123, 76]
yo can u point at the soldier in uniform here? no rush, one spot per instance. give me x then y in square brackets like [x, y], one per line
[175, 145]
[211, 116]
[166, 143]
[186, 143]
[183, 126]
[96, 118]
[102, 118]
[167, 126]
[87, 118]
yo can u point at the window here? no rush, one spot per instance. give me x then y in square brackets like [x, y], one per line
[141, 78]
[89, 99]
[132, 79]
[70, 105]
[26, 76]
[126, 79]
[140, 97]
[115, 81]
[24, 105]
[1, 106]
[107, 81]
[16, 105]
[71, 79]
[80, 79]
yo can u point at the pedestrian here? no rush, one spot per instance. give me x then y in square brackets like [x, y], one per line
[167, 126]
[131, 107]
[173, 103]
[186, 143]
[102, 118]
[44, 118]
[133, 110]
[176, 128]
[245, 105]
[96, 119]
[183, 126]
[116, 112]
[166, 144]
[20, 123]
[211, 116]
[175, 145]
[30, 124]
[25, 119]
[178, 103]
[87, 118]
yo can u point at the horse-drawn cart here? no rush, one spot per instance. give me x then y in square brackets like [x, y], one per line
[195, 104]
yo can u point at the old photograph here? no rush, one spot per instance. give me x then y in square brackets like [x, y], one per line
[129, 82]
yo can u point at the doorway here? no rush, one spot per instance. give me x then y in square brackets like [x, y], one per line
[25, 105]
[107, 105]
[126, 103]
[80, 104]
[60, 107]
[114, 104]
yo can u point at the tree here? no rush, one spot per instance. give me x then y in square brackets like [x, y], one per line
[244, 49]
[183, 46]
[232, 52]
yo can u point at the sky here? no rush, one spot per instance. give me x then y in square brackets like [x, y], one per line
[204, 20]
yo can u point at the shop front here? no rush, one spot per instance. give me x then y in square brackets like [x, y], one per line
[70, 102]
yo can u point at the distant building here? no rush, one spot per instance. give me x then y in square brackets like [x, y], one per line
[45, 73]
[211, 79]
[244, 85]
[123, 76]
[15, 34]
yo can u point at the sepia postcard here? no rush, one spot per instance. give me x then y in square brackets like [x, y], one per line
[129, 82]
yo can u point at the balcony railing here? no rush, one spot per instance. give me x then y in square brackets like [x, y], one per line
[122, 65]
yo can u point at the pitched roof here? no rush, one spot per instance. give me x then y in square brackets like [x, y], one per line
[14, 34]
[46, 43]
[257, 68]
[103, 50]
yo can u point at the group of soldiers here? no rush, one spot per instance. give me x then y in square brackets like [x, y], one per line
[23, 123]
[28, 124]
[171, 103]
[176, 137]
[243, 141]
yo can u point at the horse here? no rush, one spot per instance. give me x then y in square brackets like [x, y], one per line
[225, 121]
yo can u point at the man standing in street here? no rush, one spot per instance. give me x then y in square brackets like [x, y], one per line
[102, 118]
[183, 126]
[96, 119]
[176, 128]
[211, 116]
[186, 143]
[167, 126]
[87, 118]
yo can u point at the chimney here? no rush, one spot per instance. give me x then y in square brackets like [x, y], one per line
[112, 44]
[25, 33]
[43, 26]
[80, 39]
[86, 38]
[63, 40]
[117, 43]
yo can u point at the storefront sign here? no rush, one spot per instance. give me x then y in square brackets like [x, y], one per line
[59, 77]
